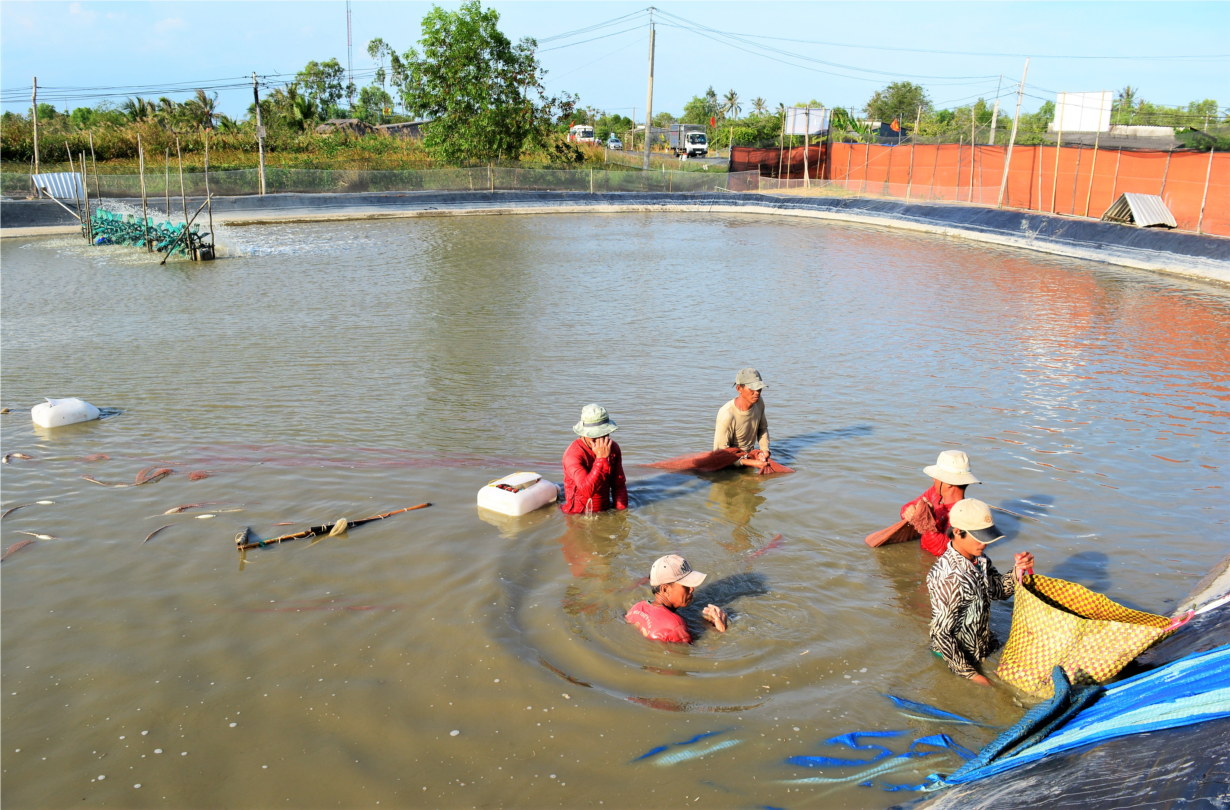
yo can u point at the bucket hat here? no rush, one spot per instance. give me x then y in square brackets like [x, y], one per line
[952, 467]
[974, 517]
[673, 568]
[595, 423]
[750, 378]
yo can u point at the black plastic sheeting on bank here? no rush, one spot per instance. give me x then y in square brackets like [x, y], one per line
[1185, 768]
[1040, 229]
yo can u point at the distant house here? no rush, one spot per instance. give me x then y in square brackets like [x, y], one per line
[352, 125]
[410, 130]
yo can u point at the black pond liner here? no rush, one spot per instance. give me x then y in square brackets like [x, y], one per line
[1187, 767]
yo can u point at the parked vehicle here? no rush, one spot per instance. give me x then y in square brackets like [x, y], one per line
[581, 133]
[614, 143]
[689, 140]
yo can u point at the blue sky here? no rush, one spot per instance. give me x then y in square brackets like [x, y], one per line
[126, 44]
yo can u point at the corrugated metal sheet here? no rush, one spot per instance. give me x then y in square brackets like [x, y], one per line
[60, 185]
[1141, 210]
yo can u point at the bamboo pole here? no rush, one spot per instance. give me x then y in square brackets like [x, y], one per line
[1165, 174]
[956, 196]
[144, 207]
[184, 233]
[866, 163]
[781, 147]
[935, 162]
[1076, 175]
[1207, 174]
[183, 195]
[807, 147]
[849, 154]
[1003, 183]
[1093, 168]
[76, 194]
[85, 189]
[973, 150]
[166, 184]
[94, 162]
[1058, 149]
[1041, 155]
[1114, 189]
[213, 242]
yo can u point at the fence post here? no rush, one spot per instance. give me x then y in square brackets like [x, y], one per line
[1165, 174]
[1003, 183]
[144, 209]
[1097, 137]
[34, 117]
[591, 179]
[1114, 189]
[1076, 175]
[1055, 174]
[935, 162]
[491, 178]
[956, 196]
[94, 161]
[909, 183]
[1207, 173]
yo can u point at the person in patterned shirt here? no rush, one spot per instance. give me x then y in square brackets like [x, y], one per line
[962, 584]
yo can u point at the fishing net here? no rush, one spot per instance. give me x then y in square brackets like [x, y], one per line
[713, 461]
[1059, 623]
[899, 532]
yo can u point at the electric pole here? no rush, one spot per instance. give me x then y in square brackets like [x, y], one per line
[1003, 184]
[649, 102]
[349, 60]
[260, 134]
[34, 117]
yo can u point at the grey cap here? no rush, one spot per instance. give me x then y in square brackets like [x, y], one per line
[750, 378]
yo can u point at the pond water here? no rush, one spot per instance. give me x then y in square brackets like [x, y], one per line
[441, 659]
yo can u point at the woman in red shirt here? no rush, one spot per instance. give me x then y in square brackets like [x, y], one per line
[928, 513]
[593, 466]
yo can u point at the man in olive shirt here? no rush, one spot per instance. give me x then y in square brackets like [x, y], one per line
[742, 422]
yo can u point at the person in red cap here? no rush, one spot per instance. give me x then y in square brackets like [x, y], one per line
[962, 584]
[673, 582]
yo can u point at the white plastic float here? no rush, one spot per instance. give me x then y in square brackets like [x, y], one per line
[60, 412]
[518, 494]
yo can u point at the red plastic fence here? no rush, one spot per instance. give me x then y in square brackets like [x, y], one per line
[1078, 181]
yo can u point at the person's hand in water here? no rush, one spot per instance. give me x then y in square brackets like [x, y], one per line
[756, 458]
[717, 616]
[602, 447]
[981, 680]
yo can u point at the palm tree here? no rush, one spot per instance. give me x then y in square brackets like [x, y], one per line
[138, 109]
[759, 105]
[201, 109]
[167, 112]
[227, 124]
[732, 104]
[1126, 100]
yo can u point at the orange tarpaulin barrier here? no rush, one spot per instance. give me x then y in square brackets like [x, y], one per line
[1065, 180]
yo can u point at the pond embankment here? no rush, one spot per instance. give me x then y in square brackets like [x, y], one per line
[1206, 257]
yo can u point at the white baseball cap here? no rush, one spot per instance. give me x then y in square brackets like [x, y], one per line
[974, 517]
[952, 467]
[673, 568]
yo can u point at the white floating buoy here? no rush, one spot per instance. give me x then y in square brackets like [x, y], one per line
[60, 412]
[518, 494]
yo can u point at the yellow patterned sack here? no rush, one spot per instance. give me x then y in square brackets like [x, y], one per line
[1055, 622]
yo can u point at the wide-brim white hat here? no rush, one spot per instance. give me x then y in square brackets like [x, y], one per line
[952, 467]
[595, 423]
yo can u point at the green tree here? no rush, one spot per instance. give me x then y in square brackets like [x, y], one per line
[323, 82]
[730, 104]
[372, 101]
[759, 105]
[484, 94]
[898, 100]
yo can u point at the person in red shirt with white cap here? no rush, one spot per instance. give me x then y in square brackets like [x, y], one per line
[674, 583]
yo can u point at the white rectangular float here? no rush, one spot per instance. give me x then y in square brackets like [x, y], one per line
[518, 494]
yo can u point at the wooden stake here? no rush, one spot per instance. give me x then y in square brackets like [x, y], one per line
[957, 191]
[1003, 183]
[1207, 174]
[781, 147]
[1165, 174]
[182, 194]
[167, 184]
[849, 154]
[85, 189]
[806, 147]
[144, 208]
[1076, 174]
[866, 163]
[935, 162]
[973, 150]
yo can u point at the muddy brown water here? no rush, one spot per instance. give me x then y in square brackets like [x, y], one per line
[442, 658]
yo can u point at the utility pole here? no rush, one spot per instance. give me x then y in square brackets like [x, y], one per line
[34, 117]
[1003, 184]
[649, 102]
[260, 134]
[995, 113]
[349, 60]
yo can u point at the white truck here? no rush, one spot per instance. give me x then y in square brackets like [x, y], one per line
[581, 133]
[689, 140]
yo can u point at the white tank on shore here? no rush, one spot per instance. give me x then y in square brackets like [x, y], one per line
[60, 412]
[518, 494]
